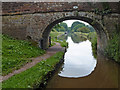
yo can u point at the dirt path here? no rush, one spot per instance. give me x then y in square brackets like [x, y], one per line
[50, 52]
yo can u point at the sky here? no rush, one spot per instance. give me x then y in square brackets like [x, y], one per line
[69, 22]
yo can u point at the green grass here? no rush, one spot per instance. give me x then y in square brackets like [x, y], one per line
[63, 43]
[35, 75]
[15, 53]
[55, 34]
[54, 39]
[93, 38]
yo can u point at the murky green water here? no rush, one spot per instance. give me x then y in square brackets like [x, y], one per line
[81, 70]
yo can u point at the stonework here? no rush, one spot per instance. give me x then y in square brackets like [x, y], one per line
[35, 20]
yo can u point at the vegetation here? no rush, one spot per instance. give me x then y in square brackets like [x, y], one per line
[78, 37]
[77, 23]
[91, 28]
[63, 43]
[75, 27]
[54, 35]
[34, 76]
[83, 30]
[60, 27]
[54, 38]
[80, 27]
[16, 53]
[92, 36]
[113, 49]
[58, 36]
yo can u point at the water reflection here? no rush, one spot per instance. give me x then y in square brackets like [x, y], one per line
[105, 74]
[79, 61]
[77, 38]
[62, 37]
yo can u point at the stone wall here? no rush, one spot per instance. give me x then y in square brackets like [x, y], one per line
[31, 7]
[35, 20]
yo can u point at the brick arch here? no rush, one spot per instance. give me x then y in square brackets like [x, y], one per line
[102, 36]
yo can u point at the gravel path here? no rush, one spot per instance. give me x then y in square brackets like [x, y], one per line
[49, 52]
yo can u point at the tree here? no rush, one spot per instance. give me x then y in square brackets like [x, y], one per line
[76, 27]
[83, 30]
[64, 25]
[91, 28]
[76, 23]
[61, 29]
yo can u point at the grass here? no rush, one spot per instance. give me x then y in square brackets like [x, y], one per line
[54, 39]
[55, 34]
[34, 76]
[63, 43]
[92, 36]
[15, 53]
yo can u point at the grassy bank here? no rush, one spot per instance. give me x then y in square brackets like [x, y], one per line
[92, 36]
[15, 53]
[35, 75]
[54, 36]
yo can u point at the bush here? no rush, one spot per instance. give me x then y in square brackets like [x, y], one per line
[112, 50]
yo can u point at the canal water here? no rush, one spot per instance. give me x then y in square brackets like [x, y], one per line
[81, 70]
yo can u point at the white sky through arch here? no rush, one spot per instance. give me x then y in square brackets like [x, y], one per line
[69, 22]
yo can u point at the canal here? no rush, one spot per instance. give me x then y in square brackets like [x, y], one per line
[81, 70]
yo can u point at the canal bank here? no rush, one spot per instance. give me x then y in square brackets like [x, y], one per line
[49, 75]
[34, 76]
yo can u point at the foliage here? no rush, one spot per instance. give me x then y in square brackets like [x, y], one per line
[57, 26]
[63, 43]
[81, 27]
[69, 29]
[77, 27]
[83, 30]
[60, 27]
[34, 76]
[54, 35]
[76, 23]
[93, 38]
[78, 37]
[15, 53]
[106, 10]
[113, 49]
[64, 25]
[91, 28]
[54, 38]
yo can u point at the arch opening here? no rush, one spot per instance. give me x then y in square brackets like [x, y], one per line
[101, 35]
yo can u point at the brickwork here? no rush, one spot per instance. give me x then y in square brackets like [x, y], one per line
[31, 7]
[35, 20]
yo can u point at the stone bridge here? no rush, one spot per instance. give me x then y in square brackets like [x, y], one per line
[33, 20]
